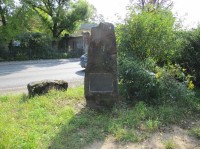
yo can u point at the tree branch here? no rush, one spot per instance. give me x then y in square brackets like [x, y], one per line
[33, 5]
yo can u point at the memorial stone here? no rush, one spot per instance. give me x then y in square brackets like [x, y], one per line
[101, 83]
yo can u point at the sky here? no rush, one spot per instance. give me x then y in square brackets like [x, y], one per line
[110, 8]
[187, 10]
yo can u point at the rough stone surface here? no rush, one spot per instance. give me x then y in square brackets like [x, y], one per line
[42, 87]
[101, 83]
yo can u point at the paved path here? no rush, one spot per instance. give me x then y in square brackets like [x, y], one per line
[14, 76]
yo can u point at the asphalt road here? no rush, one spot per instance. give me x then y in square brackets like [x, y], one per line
[14, 76]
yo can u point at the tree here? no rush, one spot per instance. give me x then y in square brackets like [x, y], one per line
[148, 35]
[6, 8]
[155, 3]
[60, 15]
[29, 20]
[11, 24]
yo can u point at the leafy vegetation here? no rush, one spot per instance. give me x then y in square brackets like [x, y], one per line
[157, 61]
[60, 15]
[32, 46]
[138, 84]
[51, 18]
[148, 34]
[158, 66]
[147, 44]
[13, 26]
[189, 54]
[6, 7]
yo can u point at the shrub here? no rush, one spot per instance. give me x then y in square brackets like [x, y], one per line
[136, 82]
[139, 84]
[170, 89]
[147, 43]
[33, 45]
[148, 34]
[3, 51]
[189, 54]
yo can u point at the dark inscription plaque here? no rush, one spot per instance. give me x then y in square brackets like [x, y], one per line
[100, 82]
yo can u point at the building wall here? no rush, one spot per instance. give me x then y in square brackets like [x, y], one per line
[75, 45]
[71, 44]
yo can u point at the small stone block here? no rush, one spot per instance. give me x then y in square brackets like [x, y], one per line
[42, 87]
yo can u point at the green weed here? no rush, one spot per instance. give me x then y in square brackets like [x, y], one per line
[152, 124]
[196, 132]
[169, 144]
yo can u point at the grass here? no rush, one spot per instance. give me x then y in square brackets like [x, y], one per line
[169, 144]
[61, 120]
[33, 122]
[196, 131]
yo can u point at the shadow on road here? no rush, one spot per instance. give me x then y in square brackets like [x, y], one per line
[81, 72]
[7, 68]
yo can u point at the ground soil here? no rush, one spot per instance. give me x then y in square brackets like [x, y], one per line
[176, 135]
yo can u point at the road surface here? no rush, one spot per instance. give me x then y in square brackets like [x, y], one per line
[14, 76]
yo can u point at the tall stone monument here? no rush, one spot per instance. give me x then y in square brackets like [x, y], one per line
[101, 83]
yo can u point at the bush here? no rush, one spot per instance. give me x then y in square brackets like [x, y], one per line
[139, 84]
[148, 42]
[32, 45]
[148, 34]
[189, 54]
[3, 51]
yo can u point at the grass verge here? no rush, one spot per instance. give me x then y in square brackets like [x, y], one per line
[196, 132]
[61, 120]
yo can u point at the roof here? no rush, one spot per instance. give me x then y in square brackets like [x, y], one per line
[87, 26]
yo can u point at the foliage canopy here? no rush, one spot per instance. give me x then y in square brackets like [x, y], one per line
[60, 15]
[148, 34]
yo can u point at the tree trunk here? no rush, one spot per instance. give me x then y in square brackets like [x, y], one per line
[55, 37]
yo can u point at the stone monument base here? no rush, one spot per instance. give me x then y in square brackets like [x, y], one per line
[101, 101]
